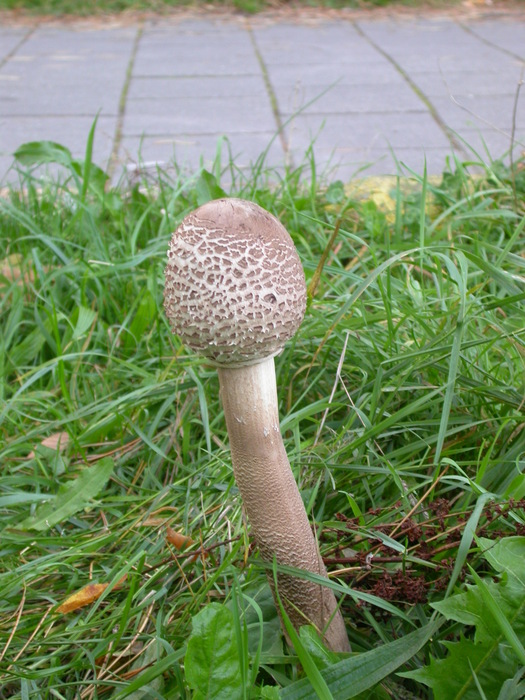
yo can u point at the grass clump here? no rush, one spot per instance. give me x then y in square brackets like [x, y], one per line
[122, 537]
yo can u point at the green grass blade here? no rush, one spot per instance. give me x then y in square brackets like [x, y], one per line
[88, 160]
[73, 496]
[150, 674]
[314, 676]
[467, 538]
[361, 672]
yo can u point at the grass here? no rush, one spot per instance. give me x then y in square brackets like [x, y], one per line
[97, 7]
[402, 409]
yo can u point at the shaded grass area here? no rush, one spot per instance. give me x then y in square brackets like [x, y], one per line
[402, 404]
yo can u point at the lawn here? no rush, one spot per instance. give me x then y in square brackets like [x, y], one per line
[97, 7]
[127, 568]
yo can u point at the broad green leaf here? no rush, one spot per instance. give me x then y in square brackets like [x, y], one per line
[360, 672]
[272, 641]
[84, 320]
[497, 615]
[488, 659]
[335, 193]
[94, 179]
[207, 188]
[38, 152]
[507, 557]
[452, 678]
[211, 663]
[71, 497]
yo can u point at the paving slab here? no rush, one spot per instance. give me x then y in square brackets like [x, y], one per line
[486, 112]
[372, 98]
[195, 86]
[192, 115]
[209, 50]
[36, 95]
[395, 130]
[470, 83]
[506, 34]
[9, 40]
[362, 92]
[378, 72]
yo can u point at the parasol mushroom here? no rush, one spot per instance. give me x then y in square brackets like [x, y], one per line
[235, 293]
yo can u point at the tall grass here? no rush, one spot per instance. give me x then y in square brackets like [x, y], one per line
[401, 401]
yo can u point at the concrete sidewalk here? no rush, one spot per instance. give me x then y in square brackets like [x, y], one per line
[361, 89]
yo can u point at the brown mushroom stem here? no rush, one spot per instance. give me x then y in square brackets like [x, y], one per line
[272, 500]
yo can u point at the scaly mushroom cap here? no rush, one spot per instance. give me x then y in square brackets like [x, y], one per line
[235, 289]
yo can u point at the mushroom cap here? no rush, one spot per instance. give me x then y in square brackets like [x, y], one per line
[235, 290]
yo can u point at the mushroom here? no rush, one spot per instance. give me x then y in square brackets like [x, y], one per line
[235, 293]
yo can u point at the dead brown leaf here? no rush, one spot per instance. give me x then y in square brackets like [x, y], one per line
[179, 541]
[85, 596]
[152, 521]
[57, 441]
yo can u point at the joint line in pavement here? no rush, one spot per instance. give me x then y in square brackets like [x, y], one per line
[454, 142]
[271, 96]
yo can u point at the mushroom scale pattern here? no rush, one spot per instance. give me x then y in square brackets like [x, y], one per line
[235, 293]
[246, 294]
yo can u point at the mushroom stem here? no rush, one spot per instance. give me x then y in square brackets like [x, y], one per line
[272, 500]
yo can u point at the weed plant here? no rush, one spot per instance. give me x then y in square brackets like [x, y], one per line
[402, 404]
